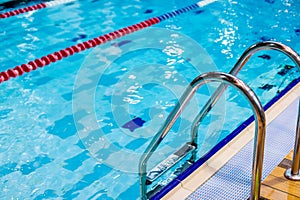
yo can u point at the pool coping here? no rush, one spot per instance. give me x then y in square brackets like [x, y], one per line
[211, 162]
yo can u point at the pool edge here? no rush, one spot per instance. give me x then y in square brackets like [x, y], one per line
[209, 167]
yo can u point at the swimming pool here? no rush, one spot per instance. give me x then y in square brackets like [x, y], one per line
[49, 146]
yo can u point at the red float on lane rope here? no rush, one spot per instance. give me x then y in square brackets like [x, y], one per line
[22, 10]
[33, 7]
[64, 53]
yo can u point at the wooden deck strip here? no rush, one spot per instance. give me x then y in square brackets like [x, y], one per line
[272, 193]
[277, 187]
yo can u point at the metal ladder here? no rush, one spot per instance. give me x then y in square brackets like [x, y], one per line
[183, 101]
[257, 163]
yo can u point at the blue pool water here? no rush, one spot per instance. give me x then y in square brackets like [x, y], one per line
[64, 132]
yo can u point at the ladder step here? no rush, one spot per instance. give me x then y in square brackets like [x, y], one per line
[169, 162]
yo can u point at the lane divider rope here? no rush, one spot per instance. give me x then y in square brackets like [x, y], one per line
[33, 7]
[58, 55]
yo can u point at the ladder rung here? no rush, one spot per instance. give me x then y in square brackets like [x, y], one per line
[169, 162]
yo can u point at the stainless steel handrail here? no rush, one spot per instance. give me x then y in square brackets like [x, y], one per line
[183, 101]
[267, 45]
[293, 173]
